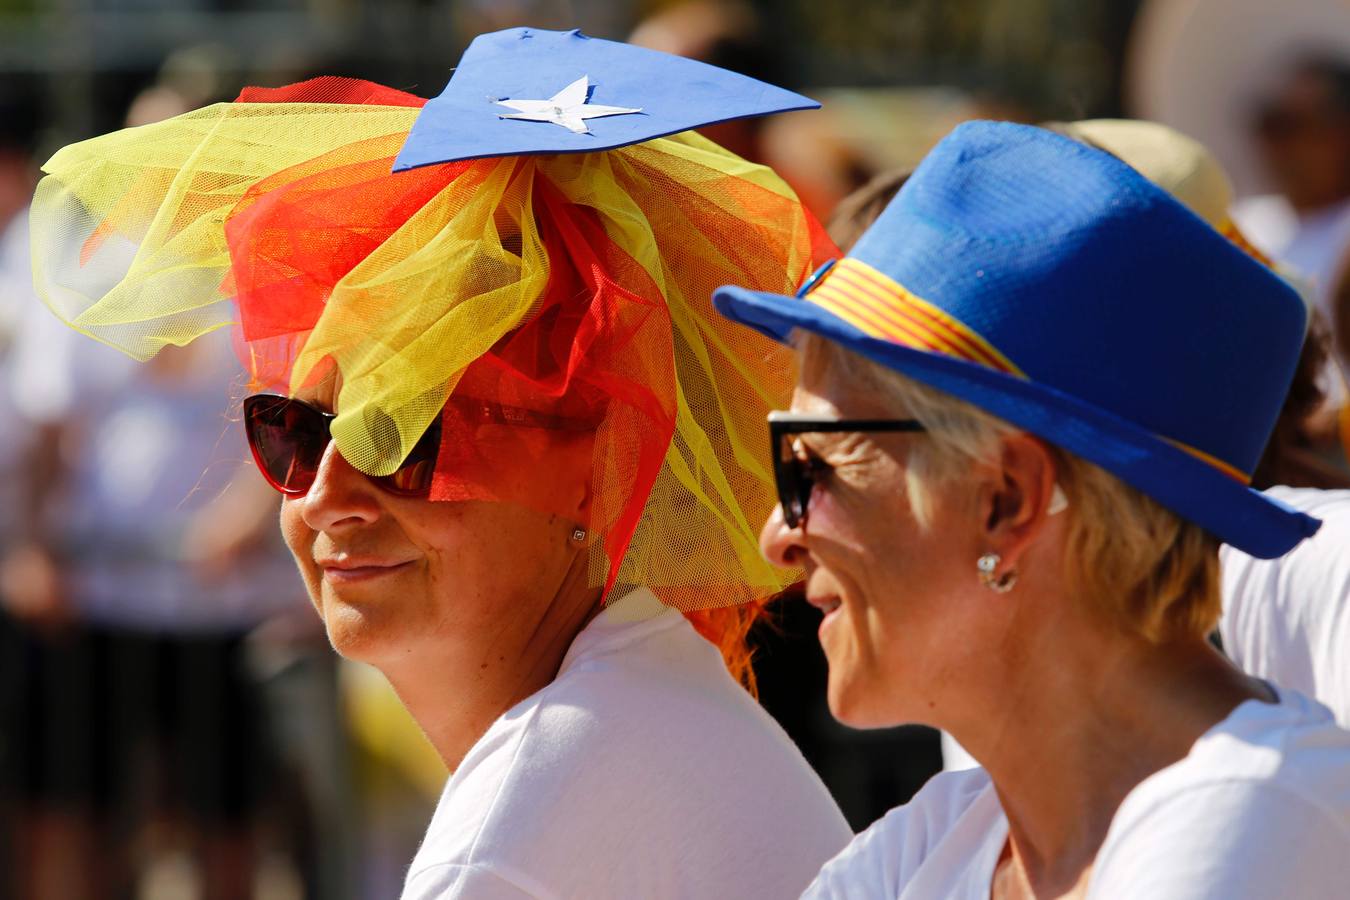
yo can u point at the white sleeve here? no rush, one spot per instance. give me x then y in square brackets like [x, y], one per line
[1239, 840]
[452, 881]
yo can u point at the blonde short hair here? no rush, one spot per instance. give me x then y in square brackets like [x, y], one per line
[1157, 573]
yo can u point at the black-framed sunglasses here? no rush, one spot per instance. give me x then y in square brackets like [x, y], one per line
[795, 475]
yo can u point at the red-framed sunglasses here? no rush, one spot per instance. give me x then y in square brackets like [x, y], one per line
[288, 438]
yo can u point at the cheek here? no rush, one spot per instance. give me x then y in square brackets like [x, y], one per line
[299, 539]
[896, 579]
[866, 540]
[861, 688]
[485, 561]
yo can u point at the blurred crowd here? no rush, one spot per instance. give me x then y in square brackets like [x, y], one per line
[172, 722]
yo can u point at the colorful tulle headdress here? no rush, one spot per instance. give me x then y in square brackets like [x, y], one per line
[546, 245]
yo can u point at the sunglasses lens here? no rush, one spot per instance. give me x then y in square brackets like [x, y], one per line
[287, 438]
[413, 478]
[794, 485]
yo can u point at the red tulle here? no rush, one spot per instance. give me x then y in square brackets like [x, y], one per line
[332, 89]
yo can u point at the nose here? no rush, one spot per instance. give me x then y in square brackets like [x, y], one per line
[780, 544]
[340, 497]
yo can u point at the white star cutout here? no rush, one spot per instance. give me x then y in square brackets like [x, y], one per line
[567, 108]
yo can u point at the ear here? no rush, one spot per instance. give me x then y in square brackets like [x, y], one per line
[572, 462]
[1017, 504]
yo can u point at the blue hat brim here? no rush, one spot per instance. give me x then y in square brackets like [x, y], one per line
[1239, 515]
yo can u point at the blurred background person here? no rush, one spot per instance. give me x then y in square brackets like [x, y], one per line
[732, 34]
[726, 34]
[138, 737]
[1302, 132]
[19, 123]
[1263, 87]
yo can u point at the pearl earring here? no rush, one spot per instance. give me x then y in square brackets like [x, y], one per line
[986, 566]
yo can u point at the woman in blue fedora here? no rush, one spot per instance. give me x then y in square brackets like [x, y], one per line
[1028, 402]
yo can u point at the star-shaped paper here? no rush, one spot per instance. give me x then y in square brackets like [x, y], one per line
[567, 108]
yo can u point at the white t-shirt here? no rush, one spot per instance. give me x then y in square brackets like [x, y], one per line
[642, 771]
[1259, 809]
[1287, 620]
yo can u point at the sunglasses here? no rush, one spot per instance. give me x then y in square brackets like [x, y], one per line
[795, 474]
[288, 438]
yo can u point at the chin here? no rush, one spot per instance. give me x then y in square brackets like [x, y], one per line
[859, 702]
[358, 633]
[848, 702]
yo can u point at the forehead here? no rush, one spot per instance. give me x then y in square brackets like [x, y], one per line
[322, 393]
[828, 388]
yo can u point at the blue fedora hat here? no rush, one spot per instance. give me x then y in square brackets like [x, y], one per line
[1053, 286]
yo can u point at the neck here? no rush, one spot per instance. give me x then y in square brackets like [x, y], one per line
[456, 691]
[1071, 727]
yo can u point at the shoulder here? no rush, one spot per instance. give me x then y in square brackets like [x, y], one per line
[1241, 839]
[1261, 807]
[880, 861]
[1294, 746]
[650, 762]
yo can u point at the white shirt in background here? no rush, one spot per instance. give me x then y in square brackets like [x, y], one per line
[642, 771]
[1259, 809]
[1287, 620]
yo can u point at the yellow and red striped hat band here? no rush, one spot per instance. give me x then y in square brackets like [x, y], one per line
[882, 308]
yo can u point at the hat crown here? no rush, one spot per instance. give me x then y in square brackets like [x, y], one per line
[1096, 283]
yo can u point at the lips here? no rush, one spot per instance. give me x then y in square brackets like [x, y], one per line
[827, 603]
[344, 569]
